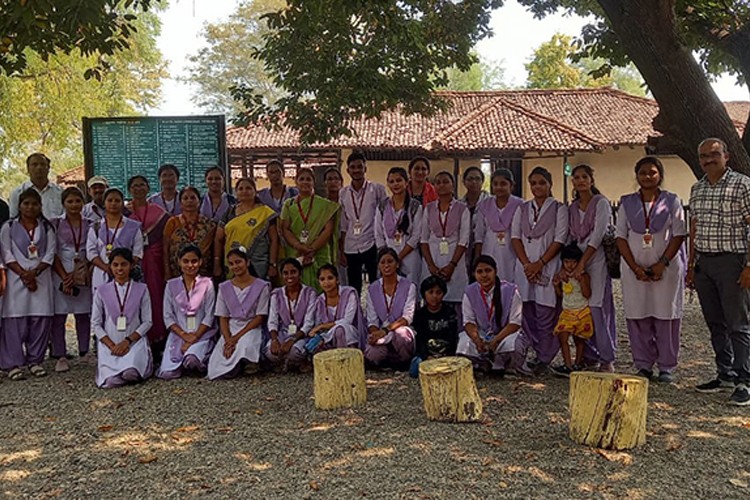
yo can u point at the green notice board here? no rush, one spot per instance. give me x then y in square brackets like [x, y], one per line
[119, 148]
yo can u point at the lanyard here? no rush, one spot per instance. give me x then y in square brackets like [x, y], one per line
[487, 307]
[289, 304]
[358, 210]
[536, 211]
[399, 218]
[30, 232]
[305, 218]
[122, 303]
[187, 290]
[114, 235]
[389, 305]
[166, 207]
[191, 228]
[76, 240]
[647, 214]
[444, 223]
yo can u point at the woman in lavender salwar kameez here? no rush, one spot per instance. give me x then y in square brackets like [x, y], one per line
[338, 315]
[291, 316]
[113, 231]
[242, 309]
[121, 316]
[445, 236]
[398, 222]
[215, 203]
[168, 198]
[28, 251]
[189, 303]
[589, 216]
[72, 278]
[493, 311]
[391, 302]
[538, 232]
[650, 235]
[493, 224]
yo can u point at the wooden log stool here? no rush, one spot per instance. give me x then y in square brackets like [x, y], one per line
[608, 410]
[339, 376]
[449, 391]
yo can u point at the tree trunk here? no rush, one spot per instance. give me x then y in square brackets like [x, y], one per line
[690, 111]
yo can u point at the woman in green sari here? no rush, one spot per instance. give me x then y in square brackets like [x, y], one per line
[248, 224]
[307, 223]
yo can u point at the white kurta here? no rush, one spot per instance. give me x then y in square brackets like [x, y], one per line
[460, 278]
[95, 247]
[105, 325]
[661, 299]
[248, 347]
[515, 317]
[504, 255]
[597, 265]
[411, 265]
[174, 313]
[274, 319]
[557, 233]
[18, 301]
[409, 307]
[66, 252]
[346, 322]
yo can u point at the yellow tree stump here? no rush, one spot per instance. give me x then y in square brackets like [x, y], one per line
[339, 376]
[608, 410]
[449, 391]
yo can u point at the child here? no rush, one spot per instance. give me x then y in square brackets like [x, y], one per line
[436, 324]
[575, 318]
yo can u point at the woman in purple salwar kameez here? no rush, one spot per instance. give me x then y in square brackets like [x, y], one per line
[590, 215]
[391, 302]
[493, 311]
[651, 231]
[242, 309]
[338, 314]
[291, 316]
[28, 251]
[120, 317]
[538, 232]
[189, 302]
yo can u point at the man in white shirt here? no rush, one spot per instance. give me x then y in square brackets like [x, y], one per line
[94, 210]
[38, 166]
[359, 201]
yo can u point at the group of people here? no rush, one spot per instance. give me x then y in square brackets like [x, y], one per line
[221, 284]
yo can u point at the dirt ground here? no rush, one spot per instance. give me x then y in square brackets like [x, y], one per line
[261, 437]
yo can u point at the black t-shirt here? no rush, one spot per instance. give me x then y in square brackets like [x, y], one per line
[437, 333]
[4, 212]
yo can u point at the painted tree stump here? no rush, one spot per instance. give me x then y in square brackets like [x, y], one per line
[339, 378]
[449, 391]
[608, 410]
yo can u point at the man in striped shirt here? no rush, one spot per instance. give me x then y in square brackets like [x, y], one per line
[719, 267]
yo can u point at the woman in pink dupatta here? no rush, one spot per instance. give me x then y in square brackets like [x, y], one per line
[152, 218]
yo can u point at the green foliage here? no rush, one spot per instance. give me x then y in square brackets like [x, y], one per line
[49, 27]
[228, 60]
[553, 66]
[482, 75]
[339, 59]
[43, 105]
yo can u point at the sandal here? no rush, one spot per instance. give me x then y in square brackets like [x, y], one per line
[38, 371]
[16, 374]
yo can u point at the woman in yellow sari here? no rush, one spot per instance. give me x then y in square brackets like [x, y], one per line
[307, 223]
[248, 224]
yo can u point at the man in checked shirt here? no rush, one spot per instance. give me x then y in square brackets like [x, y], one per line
[719, 267]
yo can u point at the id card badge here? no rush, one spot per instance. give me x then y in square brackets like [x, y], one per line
[122, 323]
[191, 323]
[357, 227]
[145, 240]
[397, 238]
[501, 238]
[33, 251]
[292, 330]
[648, 241]
[304, 236]
[443, 247]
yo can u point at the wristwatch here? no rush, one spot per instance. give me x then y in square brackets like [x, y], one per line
[664, 260]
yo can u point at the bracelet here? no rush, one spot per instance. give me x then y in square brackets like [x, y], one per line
[541, 259]
[664, 260]
[130, 341]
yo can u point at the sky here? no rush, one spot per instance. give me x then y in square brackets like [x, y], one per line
[516, 35]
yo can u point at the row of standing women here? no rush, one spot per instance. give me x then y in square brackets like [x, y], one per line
[429, 238]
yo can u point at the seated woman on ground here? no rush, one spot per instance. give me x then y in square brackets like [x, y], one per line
[121, 317]
[290, 317]
[189, 302]
[242, 308]
[338, 315]
[492, 309]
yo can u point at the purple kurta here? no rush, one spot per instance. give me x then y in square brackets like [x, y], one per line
[398, 345]
[387, 221]
[215, 214]
[350, 329]
[178, 308]
[265, 197]
[280, 318]
[492, 228]
[129, 236]
[173, 206]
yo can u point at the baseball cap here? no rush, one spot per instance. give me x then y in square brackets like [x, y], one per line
[97, 179]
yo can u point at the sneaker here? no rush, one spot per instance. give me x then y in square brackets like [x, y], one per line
[740, 396]
[561, 371]
[665, 378]
[88, 359]
[62, 365]
[716, 385]
[647, 374]
[540, 368]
